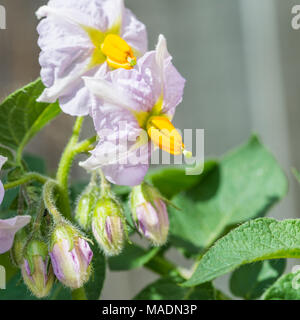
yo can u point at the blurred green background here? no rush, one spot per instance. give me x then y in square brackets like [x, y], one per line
[241, 59]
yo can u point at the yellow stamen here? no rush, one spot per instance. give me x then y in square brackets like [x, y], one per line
[118, 53]
[162, 132]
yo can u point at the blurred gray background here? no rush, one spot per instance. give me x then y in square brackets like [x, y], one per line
[241, 59]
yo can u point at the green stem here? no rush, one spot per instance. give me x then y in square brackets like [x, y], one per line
[68, 155]
[64, 167]
[160, 265]
[85, 145]
[48, 196]
[79, 294]
[30, 176]
[39, 217]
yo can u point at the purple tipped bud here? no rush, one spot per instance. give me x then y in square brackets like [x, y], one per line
[108, 226]
[71, 256]
[150, 213]
[36, 271]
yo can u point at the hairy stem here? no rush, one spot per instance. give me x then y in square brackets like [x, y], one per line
[68, 155]
[64, 167]
[48, 196]
[28, 177]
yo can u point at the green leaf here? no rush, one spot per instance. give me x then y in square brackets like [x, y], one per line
[285, 288]
[244, 186]
[59, 292]
[172, 181]
[255, 240]
[168, 289]
[10, 158]
[21, 116]
[94, 286]
[5, 210]
[35, 163]
[132, 257]
[10, 269]
[16, 290]
[251, 280]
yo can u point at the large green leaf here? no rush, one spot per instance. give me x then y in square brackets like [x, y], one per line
[132, 257]
[168, 289]
[251, 280]
[286, 287]
[255, 240]
[16, 290]
[10, 269]
[172, 181]
[247, 182]
[21, 116]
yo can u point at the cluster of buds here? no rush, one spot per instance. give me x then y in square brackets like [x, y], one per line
[101, 212]
[67, 257]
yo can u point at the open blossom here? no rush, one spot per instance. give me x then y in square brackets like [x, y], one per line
[146, 99]
[84, 38]
[9, 227]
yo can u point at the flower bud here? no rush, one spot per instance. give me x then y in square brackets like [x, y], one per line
[18, 247]
[37, 273]
[85, 206]
[108, 226]
[150, 213]
[70, 255]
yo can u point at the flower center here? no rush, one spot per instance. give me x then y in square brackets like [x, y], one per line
[163, 134]
[118, 53]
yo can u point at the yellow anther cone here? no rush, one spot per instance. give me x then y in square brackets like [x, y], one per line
[118, 53]
[164, 135]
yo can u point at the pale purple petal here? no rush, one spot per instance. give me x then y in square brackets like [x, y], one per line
[153, 221]
[86, 252]
[121, 174]
[91, 13]
[65, 53]
[66, 49]
[2, 191]
[108, 229]
[158, 70]
[27, 268]
[2, 161]
[134, 33]
[56, 267]
[8, 229]
[80, 94]
[115, 153]
[136, 86]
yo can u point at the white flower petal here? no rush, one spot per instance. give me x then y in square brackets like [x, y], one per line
[107, 92]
